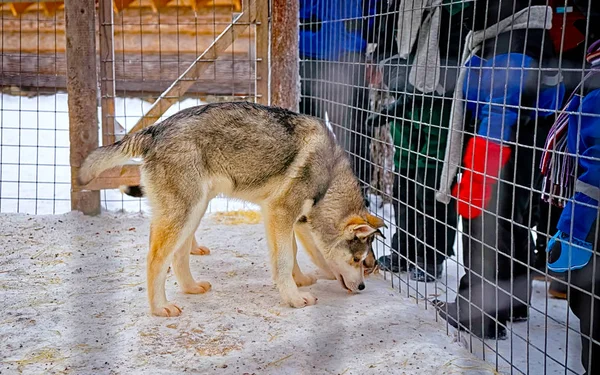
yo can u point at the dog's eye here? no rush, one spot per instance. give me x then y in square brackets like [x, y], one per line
[356, 259]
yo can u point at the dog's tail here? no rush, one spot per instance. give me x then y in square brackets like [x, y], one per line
[106, 157]
[132, 191]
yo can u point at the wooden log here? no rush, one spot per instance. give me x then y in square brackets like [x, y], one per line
[107, 72]
[82, 87]
[135, 75]
[262, 54]
[128, 174]
[186, 80]
[285, 57]
[147, 89]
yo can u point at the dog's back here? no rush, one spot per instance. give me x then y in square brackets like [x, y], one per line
[246, 144]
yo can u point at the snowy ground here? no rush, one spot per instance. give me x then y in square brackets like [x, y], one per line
[34, 179]
[74, 301]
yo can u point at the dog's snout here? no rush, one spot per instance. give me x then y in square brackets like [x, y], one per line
[361, 286]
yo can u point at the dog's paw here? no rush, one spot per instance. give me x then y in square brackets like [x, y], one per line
[199, 288]
[304, 280]
[167, 310]
[200, 250]
[301, 299]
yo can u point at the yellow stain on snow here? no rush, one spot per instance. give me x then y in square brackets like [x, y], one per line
[237, 217]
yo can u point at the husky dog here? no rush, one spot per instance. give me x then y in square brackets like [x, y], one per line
[287, 163]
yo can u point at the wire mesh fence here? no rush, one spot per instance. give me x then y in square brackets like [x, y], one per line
[470, 126]
[143, 47]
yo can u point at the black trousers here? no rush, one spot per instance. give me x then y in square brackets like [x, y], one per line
[339, 88]
[586, 306]
[498, 247]
[426, 228]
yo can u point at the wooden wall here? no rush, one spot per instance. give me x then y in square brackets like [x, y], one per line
[153, 46]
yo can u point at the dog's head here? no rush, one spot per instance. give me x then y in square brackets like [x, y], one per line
[352, 258]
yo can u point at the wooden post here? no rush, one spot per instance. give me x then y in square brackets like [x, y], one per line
[107, 71]
[82, 88]
[285, 89]
[262, 54]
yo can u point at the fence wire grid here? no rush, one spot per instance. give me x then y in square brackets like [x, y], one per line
[143, 47]
[473, 127]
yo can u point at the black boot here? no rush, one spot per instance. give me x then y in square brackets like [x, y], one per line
[485, 328]
[392, 263]
[395, 262]
[427, 275]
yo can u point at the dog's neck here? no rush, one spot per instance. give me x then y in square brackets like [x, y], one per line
[342, 199]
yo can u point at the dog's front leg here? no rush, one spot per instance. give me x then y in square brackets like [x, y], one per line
[305, 237]
[280, 234]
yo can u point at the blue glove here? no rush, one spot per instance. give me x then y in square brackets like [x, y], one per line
[566, 253]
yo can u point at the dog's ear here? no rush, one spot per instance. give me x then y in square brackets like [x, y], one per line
[358, 227]
[364, 231]
[375, 222]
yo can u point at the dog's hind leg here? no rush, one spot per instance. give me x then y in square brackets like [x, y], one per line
[181, 260]
[197, 249]
[299, 277]
[171, 229]
[305, 237]
[279, 223]
[181, 268]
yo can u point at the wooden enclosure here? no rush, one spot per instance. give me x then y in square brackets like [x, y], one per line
[158, 50]
[154, 42]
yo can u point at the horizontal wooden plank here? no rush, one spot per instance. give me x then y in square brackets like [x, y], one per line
[49, 84]
[128, 174]
[136, 30]
[136, 67]
[229, 75]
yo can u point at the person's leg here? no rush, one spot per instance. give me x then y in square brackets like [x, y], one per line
[586, 306]
[403, 240]
[436, 227]
[483, 303]
[438, 221]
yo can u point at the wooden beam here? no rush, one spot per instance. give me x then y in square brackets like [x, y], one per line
[135, 76]
[107, 73]
[50, 84]
[19, 8]
[262, 55]
[186, 80]
[82, 87]
[128, 174]
[284, 54]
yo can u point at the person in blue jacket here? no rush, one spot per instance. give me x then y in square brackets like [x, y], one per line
[574, 248]
[334, 35]
[573, 175]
